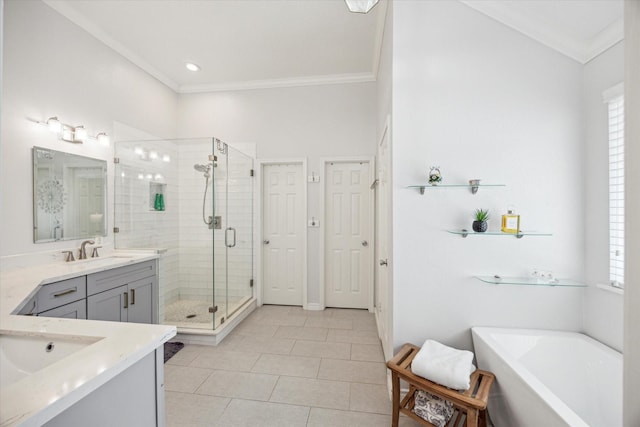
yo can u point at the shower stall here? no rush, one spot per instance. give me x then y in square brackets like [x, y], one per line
[192, 200]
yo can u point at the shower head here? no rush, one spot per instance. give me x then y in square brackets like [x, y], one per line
[202, 168]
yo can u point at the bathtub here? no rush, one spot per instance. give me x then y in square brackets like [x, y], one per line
[550, 378]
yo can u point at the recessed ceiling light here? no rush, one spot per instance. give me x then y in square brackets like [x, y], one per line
[191, 66]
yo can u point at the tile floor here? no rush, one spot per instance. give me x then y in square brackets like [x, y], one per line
[284, 366]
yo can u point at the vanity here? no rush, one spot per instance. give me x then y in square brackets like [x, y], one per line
[62, 364]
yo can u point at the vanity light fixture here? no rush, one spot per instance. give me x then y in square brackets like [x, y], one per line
[360, 6]
[192, 67]
[153, 155]
[68, 133]
[166, 158]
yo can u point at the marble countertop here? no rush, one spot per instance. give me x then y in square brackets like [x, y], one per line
[39, 397]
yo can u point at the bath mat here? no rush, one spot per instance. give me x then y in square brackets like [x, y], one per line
[170, 349]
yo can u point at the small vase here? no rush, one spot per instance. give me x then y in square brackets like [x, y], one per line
[479, 226]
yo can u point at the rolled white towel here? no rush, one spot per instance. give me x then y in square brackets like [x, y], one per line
[444, 365]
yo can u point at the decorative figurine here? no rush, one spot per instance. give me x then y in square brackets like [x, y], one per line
[434, 175]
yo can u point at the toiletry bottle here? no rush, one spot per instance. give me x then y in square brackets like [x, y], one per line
[156, 204]
[161, 201]
[510, 221]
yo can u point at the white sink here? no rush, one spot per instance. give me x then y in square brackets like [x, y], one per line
[102, 261]
[22, 355]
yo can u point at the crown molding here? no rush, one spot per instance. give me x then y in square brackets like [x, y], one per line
[606, 38]
[63, 8]
[279, 83]
[581, 51]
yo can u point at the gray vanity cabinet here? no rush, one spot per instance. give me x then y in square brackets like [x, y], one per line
[108, 305]
[125, 294]
[66, 298]
[74, 310]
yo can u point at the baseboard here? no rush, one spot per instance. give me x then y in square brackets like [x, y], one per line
[314, 306]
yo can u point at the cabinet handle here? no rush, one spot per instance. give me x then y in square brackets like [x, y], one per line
[133, 296]
[67, 292]
[126, 300]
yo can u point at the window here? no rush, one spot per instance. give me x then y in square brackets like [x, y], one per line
[615, 101]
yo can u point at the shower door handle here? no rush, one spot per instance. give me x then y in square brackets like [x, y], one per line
[226, 237]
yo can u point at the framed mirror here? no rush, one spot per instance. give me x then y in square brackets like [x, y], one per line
[69, 196]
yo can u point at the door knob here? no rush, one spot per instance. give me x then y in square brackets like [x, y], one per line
[365, 243]
[266, 242]
[383, 262]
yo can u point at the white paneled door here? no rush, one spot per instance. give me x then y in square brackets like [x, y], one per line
[348, 270]
[283, 227]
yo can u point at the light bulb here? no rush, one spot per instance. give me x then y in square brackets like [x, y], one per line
[138, 151]
[54, 124]
[166, 158]
[153, 155]
[103, 138]
[140, 176]
[80, 134]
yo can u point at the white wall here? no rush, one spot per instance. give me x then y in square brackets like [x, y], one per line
[482, 101]
[311, 122]
[603, 310]
[54, 68]
[632, 213]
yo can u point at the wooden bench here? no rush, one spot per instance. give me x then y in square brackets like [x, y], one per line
[470, 404]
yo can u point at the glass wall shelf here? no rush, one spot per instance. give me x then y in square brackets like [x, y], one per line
[519, 235]
[529, 281]
[472, 187]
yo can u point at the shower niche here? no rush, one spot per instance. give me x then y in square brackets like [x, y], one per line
[157, 198]
[205, 230]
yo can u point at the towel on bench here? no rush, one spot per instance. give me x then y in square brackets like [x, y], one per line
[432, 408]
[444, 365]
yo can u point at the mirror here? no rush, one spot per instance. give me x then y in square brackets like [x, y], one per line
[69, 196]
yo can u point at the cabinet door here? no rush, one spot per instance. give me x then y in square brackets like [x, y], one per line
[141, 299]
[75, 310]
[110, 305]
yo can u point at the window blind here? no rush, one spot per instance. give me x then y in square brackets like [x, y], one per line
[616, 191]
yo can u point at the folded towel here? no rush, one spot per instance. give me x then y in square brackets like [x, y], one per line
[432, 408]
[444, 365]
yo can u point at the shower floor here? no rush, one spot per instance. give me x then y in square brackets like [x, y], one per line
[192, 313]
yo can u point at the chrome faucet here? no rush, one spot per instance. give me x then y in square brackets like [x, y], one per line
[82, 253]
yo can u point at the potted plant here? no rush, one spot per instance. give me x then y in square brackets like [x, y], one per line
[481, 217]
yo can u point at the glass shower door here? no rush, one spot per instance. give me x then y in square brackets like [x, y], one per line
[233, 240]
[240, 230]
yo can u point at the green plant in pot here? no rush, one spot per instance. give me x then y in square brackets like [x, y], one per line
[481, 217]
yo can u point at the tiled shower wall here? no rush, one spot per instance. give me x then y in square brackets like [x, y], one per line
[137, 178]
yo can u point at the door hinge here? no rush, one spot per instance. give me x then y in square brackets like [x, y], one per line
[251, 283]
[250, 172]
[116, 160]
[213, 309]
[116, 229]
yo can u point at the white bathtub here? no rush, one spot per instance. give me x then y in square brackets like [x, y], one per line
[550, 378]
